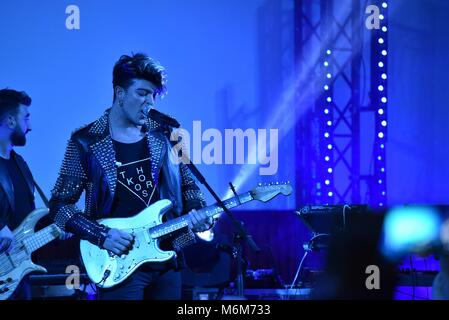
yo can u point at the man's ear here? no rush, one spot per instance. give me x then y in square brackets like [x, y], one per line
[119, 92]
[10, 121]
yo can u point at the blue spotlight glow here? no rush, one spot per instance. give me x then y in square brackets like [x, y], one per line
[407, 229]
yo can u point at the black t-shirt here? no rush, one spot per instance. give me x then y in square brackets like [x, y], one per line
[135, 187]
[23, 199]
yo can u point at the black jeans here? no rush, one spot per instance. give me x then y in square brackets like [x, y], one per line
[146, 284]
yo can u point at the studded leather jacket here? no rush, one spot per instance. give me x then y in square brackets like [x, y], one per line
[89, 166]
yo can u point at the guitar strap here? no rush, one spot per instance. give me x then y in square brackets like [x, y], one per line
[41, 194]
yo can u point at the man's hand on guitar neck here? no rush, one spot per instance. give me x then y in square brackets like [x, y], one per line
[7, 240]
[118, 242]
[199, 222]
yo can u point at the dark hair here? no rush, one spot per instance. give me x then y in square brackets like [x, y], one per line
[10, 101]
[138, 66]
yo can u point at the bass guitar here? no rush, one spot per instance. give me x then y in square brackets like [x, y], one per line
[17, 263]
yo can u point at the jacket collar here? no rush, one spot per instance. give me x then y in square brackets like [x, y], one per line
[103, 148]
[6, 182]
[25, 171]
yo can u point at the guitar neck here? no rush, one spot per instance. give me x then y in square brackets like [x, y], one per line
[183, 221]
[42, 237]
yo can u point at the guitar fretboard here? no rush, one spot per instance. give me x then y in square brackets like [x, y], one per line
[182, 222]
[42, 237]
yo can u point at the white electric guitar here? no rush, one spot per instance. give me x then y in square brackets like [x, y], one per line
[107, 270]
[17, 263]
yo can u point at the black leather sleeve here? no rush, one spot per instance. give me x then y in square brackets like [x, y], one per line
[192, 196]
[69, 186]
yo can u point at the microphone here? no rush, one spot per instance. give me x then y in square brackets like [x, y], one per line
[163, 119]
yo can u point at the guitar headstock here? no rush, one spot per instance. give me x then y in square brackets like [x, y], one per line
[266, 192]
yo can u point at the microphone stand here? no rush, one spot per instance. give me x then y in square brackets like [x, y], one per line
[241, 234]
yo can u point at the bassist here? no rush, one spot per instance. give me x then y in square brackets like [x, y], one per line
[16, 181]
